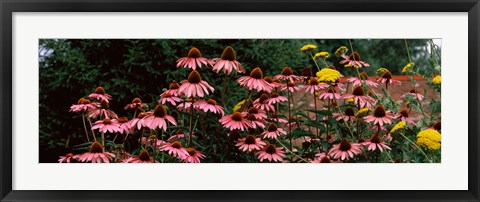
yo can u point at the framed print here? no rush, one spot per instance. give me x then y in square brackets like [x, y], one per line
[241, 101]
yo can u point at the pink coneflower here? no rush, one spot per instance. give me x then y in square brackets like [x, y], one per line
[271, 153]
[345, 150]
[255, 81]
[194, 86]
[152, 140]
[136, 104]
[257, 113]
[178, 135]
[143, 157]
[274, 117]
[273, 131]
[100, 94]
[254, 122]
[107, 125]
[379, 116]
[210, 106]
[262, 103]
[95, 155]
[138, 122]
[193, 156]
[357, 81]
[290, 87]
[250, 143]
[414, 94]
[404, 116]
[66, 159]
[175, 149]
[235, 121]
[348, 115]
[329, 95]
[275, 98]
[157, 119]
[386, 78]
[360, 98]
[83, 105]
[167, 97]
[193, 60]
[102, 110]
[187, 105]
[287, 75]
[275, 83]
[312, 86]
[354, 60]
[124, 125]
[306, 74]
[322, 158]
[172, 89]
[375, 143]
[228, 62]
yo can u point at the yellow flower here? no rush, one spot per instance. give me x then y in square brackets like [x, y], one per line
[381, 71]
[407, 67]
[430, 139]
[341, 51]
[350, 100]
[437, 80]
[328, 75]
[321, 55]
[349, 66]
[238, 106]
[400, 125]
[308, 48]
[362, 112]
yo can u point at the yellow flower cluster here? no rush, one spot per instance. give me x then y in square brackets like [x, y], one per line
[349, 66]
[400, 125]
[437, 80]
[321, 55]
[350, 100]
[381, 71]
[407, 67]
[362, 112]
[328, 75]
[308, 48]
[430, 139]
[238, 106]
[341, 51]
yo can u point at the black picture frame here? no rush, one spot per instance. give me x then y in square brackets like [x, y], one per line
[8, 7]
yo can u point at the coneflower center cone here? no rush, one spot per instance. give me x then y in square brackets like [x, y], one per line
[159, 111]
[253, 110]
[250, 139]
[136, 100]
[237, 116]
[413, 91]
[263, 97]
[290, 84]
[177, 145]
[307, 72]
[268, 79]
[256, 73]
[355, 56]
[379, 112]
[104, 104]
[404, 113]
[100, 90]
[229, 54]
[96, 147]
[174, 85]
[194, 53]
[191, 151]
[271, 149]
[375, 139]
[144, 156]
[438, 125]
[212, 101]
[141, 115]
[272, 127]
[194, 77]
[313, 81]
[358, 91]
[83, 101]
[345, 145]
[325, 160]
[251, 117]
[387, 75]
[363, 76]
[106, 121]
[122, 119]
[349, 112]
[287, 71]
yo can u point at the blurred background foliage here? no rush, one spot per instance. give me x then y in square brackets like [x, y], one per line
[129, 68]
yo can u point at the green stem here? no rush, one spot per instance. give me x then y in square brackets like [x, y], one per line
[414, 144]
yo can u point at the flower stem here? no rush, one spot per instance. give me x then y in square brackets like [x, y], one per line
[413, 143]
[290, 151]
[191, 125]
[316, 64]
[85, 126]
[224, 90]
